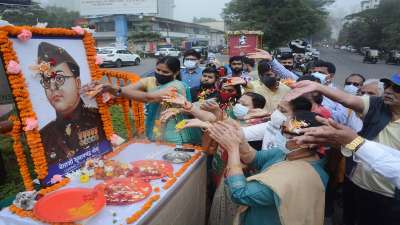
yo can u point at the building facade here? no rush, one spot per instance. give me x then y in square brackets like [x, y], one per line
[369, 4]
[172, 32]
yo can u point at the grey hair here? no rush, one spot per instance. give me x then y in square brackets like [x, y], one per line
[381, 85]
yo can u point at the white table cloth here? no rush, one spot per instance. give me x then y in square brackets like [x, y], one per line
[183, 203]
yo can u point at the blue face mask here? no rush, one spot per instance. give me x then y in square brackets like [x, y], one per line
[240, 111]
[322, 77]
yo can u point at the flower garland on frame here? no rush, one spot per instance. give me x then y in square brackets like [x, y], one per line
[20, 154]
[24, 106]
[21, 93]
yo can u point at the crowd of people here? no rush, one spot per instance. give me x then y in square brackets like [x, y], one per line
[284, 147]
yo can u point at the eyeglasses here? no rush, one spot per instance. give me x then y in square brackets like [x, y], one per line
[58, 79]
[395, 88]
[353, 83]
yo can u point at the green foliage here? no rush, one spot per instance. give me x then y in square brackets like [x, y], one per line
[281, 21]
[54, 16]
[376, 28]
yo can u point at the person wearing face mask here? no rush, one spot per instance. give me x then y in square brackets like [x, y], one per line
[268, 86]
[288, 170]
[208, 86]
[192, 73]
[151, 90]
[247, 103]
[269, 132]
[353, 83]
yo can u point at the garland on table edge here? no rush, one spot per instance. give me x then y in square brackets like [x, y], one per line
[135, 216]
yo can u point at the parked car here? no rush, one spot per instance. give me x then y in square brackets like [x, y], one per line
[364, 50]
[393, 57]
[168, 52]
[118, 57]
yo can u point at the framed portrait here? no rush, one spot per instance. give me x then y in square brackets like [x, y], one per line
[70, 125]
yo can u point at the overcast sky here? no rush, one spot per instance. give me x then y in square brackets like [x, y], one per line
[187, 9]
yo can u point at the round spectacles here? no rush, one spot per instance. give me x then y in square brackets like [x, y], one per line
[58, 79]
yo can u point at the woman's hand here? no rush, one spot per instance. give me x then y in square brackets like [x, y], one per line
[197, 123]
[211, 106]
[177, 99]
[158, 96]
[168, 113]
[96, 88]
[226, 135]
[301, 88]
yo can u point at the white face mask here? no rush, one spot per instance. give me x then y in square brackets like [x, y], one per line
[277, 119]
[190, 64]
[351, 89]
[322, 77]
[240, 111]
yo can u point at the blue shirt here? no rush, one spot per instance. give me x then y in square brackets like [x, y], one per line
[262, 201]
[192, 79]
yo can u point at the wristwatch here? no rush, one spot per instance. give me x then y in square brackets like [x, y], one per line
[349, 149]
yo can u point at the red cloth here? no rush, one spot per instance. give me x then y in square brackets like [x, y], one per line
[322, 111]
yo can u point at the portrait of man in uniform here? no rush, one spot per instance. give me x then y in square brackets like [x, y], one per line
[76, 127]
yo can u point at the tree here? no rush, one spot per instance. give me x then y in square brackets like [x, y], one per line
[376, 28]
[281, 21]
[31, 15]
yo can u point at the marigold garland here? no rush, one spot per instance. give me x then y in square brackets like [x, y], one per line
[54, 187]
[29, 214]
[137, 107]
[21, 95]
[186, 165]
[147, 205]
[20, 154]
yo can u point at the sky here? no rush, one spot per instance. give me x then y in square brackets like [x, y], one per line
[187, 9]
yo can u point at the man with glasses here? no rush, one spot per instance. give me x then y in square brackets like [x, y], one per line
[76, 128]
[374, 199]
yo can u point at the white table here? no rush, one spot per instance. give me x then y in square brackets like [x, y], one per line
[182, 204]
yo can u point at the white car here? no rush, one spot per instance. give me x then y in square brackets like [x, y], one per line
[118, 57]
[168, 52]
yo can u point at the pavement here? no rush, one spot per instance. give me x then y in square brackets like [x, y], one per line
[347, 63]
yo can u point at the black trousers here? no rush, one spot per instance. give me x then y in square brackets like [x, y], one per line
[374, 209]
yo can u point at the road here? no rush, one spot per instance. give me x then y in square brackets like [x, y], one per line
[346, 63]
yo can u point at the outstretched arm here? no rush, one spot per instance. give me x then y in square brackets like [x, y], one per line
[350, 101]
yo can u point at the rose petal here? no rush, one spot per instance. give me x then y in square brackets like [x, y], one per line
[31, 124]
[116, 140]
[25, 35]
[13, 67]
[99, 60]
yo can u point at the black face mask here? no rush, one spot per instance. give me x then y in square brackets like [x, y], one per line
[207, 85]
[161, 79]
[270, 82]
